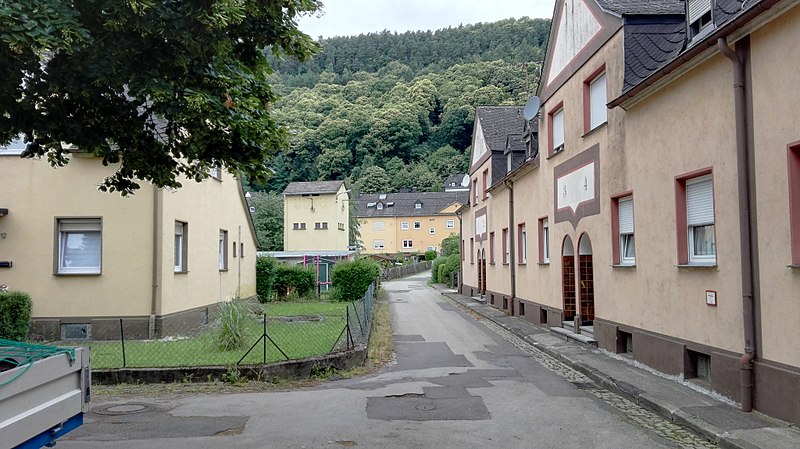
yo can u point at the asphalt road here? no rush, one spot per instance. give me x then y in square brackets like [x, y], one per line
[457, 383]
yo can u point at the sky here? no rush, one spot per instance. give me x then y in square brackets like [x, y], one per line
[353, 17]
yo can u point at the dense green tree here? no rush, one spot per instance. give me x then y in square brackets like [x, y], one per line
[446, 161]
[373, 180]
[268, 219]
[160, 89]
[334, 164]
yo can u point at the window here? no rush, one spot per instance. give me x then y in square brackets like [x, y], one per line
[216, 173]
[475, 191]
[340, 225]
[324, 225]
[407, 244]
[694, 198]
[404, 225]
[79, 246]
[626, 254]
[794, 202]
[508, 163]
[462, 250]
[556, 129]
[595, 109]
[544, 240]
[222, 257]
[699, 17]
[506, 245]
[486, 183]
[431, 230]
[417, 225]
[380, 206]
[522, 242]
[181, 246]
[418, 205]
[450, 224]
[234, 249]
[377, 244]
[378, 226]
[432, 248]
[299, 226]
[471, 250]
[241, 250]
[491, 247]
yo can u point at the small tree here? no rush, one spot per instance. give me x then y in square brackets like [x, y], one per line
[430, 255]
[295, 279]
[15, 315]
[451, 245]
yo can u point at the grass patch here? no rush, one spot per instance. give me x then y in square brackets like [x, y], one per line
[381, 345]
[314, 334]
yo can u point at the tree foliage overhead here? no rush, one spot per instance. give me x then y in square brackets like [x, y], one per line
[163, 88]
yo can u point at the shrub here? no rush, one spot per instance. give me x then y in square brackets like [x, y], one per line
[265, 277]
[451, 245]
[295, 279]
[233, 318]
[15, 315]
[450, 265]
[352, 279]
[435, 269]
[430, 255]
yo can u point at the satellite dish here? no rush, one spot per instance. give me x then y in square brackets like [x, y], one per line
[465, 181]
[531, 108]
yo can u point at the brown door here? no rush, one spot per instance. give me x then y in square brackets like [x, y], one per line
[483, 268]
[587, 288]
[568, 286]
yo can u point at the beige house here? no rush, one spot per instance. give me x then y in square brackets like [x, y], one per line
[414, 222]
[316, 216]
[161, 259]
[660, 213]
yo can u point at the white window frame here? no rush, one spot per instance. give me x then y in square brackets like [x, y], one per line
[627, 238]
[700, 214]
[408, 244]
[432, 230]
[523, 243]
[378, 244]
[598, 111]
[68, 227]
[417, 225]
[222, 256]
[379, 206]
[545, 241]
[404, 225]
[432, 248]
[558, 130]
[450, 224]
[181, 247]
[417, 205]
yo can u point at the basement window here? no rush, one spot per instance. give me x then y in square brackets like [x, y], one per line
[698, 366]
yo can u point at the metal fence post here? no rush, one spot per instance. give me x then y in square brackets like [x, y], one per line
[122, 337]
[265, 338]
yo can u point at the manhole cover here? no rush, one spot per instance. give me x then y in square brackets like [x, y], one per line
[122, 409]
[426, 407]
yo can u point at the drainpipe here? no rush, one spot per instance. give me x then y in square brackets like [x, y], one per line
[511, 251]
[746, 185]
[156, 262]
[460, 265]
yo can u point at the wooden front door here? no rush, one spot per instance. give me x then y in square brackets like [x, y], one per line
[568, 285]
[587, 288]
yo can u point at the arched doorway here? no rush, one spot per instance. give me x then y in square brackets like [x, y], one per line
[586, 280]
[568, 278]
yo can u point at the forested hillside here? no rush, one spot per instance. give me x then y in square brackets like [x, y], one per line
[395, 111]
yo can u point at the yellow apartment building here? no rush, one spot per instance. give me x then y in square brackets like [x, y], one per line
[316, 216]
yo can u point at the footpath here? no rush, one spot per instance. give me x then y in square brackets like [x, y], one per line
[715, 418]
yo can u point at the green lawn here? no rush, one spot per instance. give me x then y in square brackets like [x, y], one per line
[297, 339]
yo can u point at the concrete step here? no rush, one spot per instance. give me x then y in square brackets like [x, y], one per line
[569, 335]
[588, 331]
[481, 299]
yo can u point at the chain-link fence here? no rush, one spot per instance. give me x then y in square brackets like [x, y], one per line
[273, 332]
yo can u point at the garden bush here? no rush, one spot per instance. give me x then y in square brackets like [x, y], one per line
[265, 277]
[430, 255]
[15, 315]
[435, 269]
[451, 264]
[294, 279]
[351, 279]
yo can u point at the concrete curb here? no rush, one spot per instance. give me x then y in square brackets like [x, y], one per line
[708, 431]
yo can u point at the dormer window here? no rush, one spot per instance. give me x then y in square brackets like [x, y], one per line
[370, 204]
[508, 163]
[418, 205]
[699, 16]
[380, 206]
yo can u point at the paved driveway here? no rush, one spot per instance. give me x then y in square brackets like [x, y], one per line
[458, 382]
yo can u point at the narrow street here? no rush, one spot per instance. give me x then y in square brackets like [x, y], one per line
[458, 382]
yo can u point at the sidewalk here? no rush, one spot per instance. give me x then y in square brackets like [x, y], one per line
[717, 420]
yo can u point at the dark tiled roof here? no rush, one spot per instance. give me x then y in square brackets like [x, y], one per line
[299, 188]
[642, 7]
[724, 10]
[497, 122]
[515, 142]
[650, 43]
[457, 180]
[404, 203]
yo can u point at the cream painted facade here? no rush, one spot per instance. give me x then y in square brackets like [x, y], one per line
[657, 307]
[136, 278]
[316, 221]
[386, 235]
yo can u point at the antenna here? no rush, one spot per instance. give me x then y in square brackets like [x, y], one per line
[531, 108]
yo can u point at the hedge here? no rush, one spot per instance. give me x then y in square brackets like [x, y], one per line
[295, 279]
[435, 269]
[266, 268]
[15, 315]
[351, 279]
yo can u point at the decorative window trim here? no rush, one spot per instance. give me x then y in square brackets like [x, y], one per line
[450, 224]
[491, 248]
[793, 159]
[181, 247]
[522, 244]
[544, 240]
[617, 258]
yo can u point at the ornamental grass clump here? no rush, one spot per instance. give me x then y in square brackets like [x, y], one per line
[233, 319]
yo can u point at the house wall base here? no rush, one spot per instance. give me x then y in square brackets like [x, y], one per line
[774, 382]
[135, 327]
